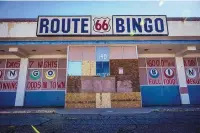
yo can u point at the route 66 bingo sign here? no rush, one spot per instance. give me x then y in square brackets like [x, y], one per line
[101, 25]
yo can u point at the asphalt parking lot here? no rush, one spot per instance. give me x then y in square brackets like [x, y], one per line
[150, 122]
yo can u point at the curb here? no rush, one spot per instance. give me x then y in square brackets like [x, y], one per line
[177, 110]
[29, 112]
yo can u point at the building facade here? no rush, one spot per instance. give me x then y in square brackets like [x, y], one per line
[99, 62]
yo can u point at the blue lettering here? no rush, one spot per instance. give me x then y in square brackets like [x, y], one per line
[159, 21]
[148, 28]
[76, 24]
[64, 30]
[136, 25]
[120, 25]
[128, 25]
[83, 25]
[55, 25]
[44, 25]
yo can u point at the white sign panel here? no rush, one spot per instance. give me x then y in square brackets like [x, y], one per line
[140, 25]
[64, 25]
[102, 25]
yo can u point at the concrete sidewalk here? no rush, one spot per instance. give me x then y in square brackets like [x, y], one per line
[104, 111]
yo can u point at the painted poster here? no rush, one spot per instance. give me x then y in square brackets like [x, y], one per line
[192, 75]
[157, 71]
[169, 76]
[191, 71]
[154, 76]
[9, 73]
[46, 74]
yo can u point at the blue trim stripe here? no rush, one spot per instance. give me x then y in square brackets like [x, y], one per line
[90, 42]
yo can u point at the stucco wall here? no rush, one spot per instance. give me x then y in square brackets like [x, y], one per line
[28, 29]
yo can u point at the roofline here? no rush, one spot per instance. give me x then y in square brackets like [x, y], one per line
[35, 19]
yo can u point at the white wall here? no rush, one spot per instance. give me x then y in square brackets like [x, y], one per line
[28, 29]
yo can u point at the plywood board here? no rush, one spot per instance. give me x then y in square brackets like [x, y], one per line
[128, 100]
[73, 84]
[80, 100]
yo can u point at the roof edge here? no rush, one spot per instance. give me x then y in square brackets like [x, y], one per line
[35, 19]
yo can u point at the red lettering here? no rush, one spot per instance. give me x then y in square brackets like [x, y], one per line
[40, 64]
[153, 63]
[8, 85]
[50, 64]
[14, 85]
[34, 85]
[193, 81]
[155, 81]
[13, 64]
[53, 85]
[163, 62]
[189, 62]
[169, 81]
[44, 85]
[31, 63]
[61, 84]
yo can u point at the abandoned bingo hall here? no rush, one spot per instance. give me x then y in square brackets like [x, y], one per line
[99, 62]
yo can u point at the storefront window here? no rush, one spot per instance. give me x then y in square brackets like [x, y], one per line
[192, 67]
[157, 71]
[9, 73]
[46, 74]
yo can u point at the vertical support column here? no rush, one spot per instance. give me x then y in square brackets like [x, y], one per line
[21, 86]
[182, 81]
[66, 75]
